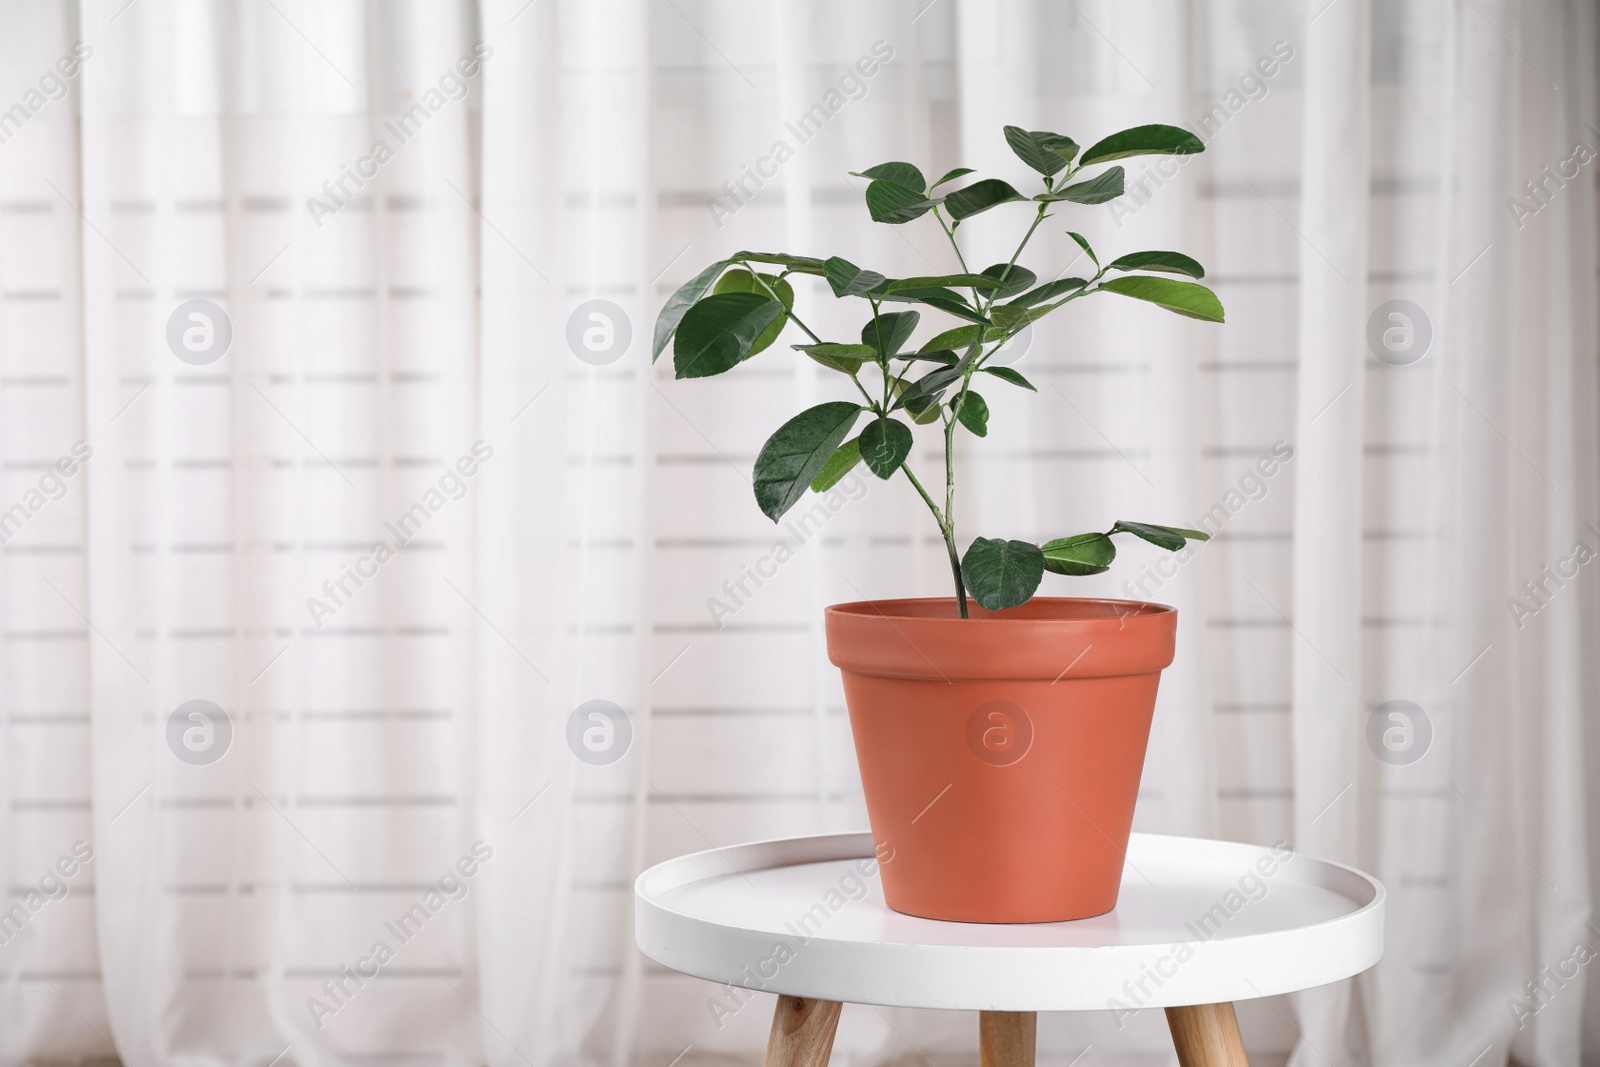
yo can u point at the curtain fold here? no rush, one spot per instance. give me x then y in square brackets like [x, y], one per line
[1331, 431]
[376, 609]
[1514, 463]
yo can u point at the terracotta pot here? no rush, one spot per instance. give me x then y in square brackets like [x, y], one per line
[1001, 754]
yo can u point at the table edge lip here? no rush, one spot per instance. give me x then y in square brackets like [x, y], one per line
[840, 839]
[1365, 924]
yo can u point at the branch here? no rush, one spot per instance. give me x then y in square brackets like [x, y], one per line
[787, 311]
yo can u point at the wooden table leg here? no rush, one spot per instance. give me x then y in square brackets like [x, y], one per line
[1006, 1038]
[802, 1032]
[1206, 1035]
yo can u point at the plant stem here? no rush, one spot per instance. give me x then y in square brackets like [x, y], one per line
[947, 519]
[947, 524]
[926, 499]
[955, 572]
[950, 235]
[787, 311]
[950, 461]
[883, 358]
[950, 497]
[946, 527]
[871, 403]
[1025, 239]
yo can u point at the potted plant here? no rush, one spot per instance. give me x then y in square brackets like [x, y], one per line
[1001, 744]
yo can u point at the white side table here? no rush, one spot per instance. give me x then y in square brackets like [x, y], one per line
[1199, 924]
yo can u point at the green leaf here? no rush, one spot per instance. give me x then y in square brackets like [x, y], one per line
[1185, 298]
[1088, 553]
[974, 414]
[888, 332]
[1009, 316]
[1083, 243]
[800, 264]
[720, 331]
[1045, 152]
[943, 355]
[1156, 535]
[1002, 574]
[1098, 190]
[1169, 262]
[796, 454]
[921, 411]
[1010, 278]
[950, 176]
[743, 281]
[945, 300]
[847, 279]
[924, 410]
[946, 281]
[1143, 141]
[1006, 374]
[1016, 317]
[1047, 292]
[893, 203]
[899, 173]
[964, 203]
[679, 302]
[907, 296]
[842, 462]
[1170, 538]
[846, 358]
[927, 389]
[885, 444]
[958, 339]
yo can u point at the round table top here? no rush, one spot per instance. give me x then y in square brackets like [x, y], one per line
[1197, 922]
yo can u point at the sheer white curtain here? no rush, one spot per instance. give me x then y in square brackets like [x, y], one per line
[475, 598]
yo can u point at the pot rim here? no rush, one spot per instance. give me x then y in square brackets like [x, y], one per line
[892, 608]
[1048, 639]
